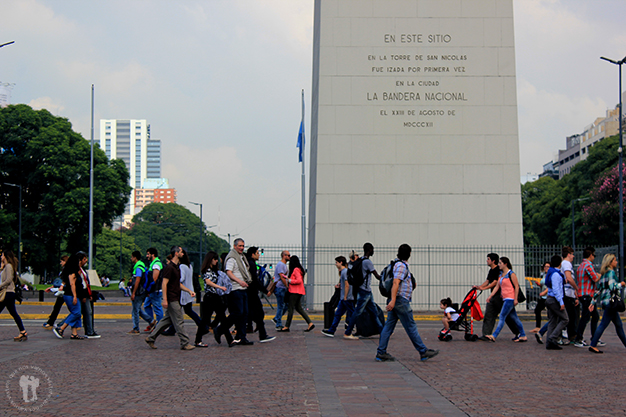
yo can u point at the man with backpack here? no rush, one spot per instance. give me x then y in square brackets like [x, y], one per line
[138, 294]
[399, 307]
[153, 288]
[359, 277]
[555, 304]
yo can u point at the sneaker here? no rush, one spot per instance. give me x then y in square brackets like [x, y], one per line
[93, 335]
[430, 353]
[150, 343]
[188, 347]
[563, 342]
[150, 326]
[267, 339]
[350, 337]
[325, 332]
[601, 343]
[538, 337]
[553, 346]
[134, 331]
[58, 332]
[234, 343]
[384, 357]
[580, 343]
[275, 321]
[245, 342]
[47, 326]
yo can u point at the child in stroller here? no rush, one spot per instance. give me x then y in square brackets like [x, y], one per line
[450, 315]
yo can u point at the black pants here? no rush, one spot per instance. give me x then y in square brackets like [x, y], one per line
[213, 303]
[585, 301]
[492, 311]
[56, 310]
[9, 303]
[256, 313]
[202, 328]
[574, 315]
[541, 305]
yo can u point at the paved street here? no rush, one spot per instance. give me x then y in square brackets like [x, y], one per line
[305, 374]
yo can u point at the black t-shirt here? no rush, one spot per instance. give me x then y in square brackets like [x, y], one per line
[172, 273]
[493, 275]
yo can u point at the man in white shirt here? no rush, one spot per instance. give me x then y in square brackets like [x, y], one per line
[570, 299]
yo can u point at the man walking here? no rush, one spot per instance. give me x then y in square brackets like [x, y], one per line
[346, 299]
[399, 307]
[586, 279]
[138, 294]
[557, 315]
[280, 278]
[154, 297]
[495, 301]
[171, 288]
[364, 299]
[255, 306]
[570, 298]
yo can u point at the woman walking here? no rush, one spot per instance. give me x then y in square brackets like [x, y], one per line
[9, 280]
[214, 296]
[295, 293]
[186, 300]
[606, 286]
[509, 286]
[74, 290]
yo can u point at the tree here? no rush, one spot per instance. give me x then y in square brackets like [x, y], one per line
[107, 257]
[50, 161]
[162, 225]
[543, 206]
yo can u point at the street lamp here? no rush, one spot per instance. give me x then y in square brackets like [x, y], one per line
[8, 43]
[19, 236]
[620, 168]
[574, 223]
[201, 231]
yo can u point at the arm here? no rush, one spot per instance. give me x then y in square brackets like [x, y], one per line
[6, 281]
[394, 294]
[237, 280]
[485, 285]
[155, 274]
[73, 286]
[497, 287]
[346, 292]
[544, 292]
[570, 280]
[164, 288]
[212, 284]
[135, 287]
[296, 277]
[515, 286]
[376, 274]
[284, 279]
[182, 287]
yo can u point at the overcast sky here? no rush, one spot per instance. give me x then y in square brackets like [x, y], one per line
[220, 84]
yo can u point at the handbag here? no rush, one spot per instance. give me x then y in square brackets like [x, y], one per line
[616, 303]
[3, 293]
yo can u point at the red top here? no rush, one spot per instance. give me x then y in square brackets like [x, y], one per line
[296, 286]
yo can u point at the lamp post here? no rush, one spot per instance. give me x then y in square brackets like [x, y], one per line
[19, 227]
[620, 169]
[8, 43]
[201, 231]
[574, 222]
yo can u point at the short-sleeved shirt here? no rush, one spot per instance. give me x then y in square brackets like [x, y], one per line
[367, 267]
[585, 278]
[186, 278]
[569, 290]
[157, 265]
[493, 275]
[233, 266]
[453, 314]
[507, 289]
[343, 279]
[401, 272]
[281, 268]
[172, 273]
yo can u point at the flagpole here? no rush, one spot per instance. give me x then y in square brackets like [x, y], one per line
[304, 257]
[91, 190]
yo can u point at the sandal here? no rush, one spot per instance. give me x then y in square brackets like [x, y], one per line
[521, 339]
[201, 345]
[311, 327]
[77, 337]
[22, 337]
[490, 338]
[284, 329]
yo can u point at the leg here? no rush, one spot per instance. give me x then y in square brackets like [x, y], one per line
[202, 329]
[595, 318]
[258, 315]
[518, 322]
[606, 319]
[619, 328]
[280, 306]
[300, 310]
[9, 299]
[541, 304]
[405, 314]
[371, 307]
[361, 302]
[147, 306]
[290, 305]
[86, 309]
[156, 298]
[176, 316]
[491, 312]
[339, 311]
[558, 320]
[390, 325]
[506, 309]
[585, 301]
[165, 322]
[55, 310]
[571, 314]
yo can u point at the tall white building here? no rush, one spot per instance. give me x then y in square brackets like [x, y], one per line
[129, 140]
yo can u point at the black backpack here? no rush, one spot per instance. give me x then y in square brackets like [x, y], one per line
[355, 275]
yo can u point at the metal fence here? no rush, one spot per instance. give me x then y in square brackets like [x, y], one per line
[439, 271]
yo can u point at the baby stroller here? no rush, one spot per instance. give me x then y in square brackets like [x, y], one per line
[468, 312]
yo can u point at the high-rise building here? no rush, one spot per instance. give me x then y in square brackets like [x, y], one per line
[129, 140]
[154, 191]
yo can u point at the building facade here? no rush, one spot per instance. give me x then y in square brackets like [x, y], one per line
[153, 191]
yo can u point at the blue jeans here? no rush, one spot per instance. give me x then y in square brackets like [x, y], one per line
[402, 310]
[73, 319]
[281, 307]
[608, 317]
[238, 308]
[508, 309]
[363, 301]
[87, 310]
[138, 312]
[343, 307]
[153, 302]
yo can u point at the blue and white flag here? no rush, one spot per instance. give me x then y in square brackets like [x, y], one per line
[300, 144]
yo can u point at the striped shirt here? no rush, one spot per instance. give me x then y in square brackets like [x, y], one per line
[401, 272]
[586, 278]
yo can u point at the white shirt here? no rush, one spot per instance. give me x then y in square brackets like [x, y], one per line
[453, 314]
[186, 278]
[232, 266]
[569, 290]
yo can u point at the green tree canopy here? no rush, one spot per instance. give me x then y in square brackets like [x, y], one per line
[51, 162]
[107, 258]
[162, 225]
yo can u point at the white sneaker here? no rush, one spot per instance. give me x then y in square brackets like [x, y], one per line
[601, 343]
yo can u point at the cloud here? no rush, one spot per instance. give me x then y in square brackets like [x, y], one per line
[48, 104]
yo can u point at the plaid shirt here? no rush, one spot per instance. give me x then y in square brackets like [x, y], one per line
[401, 272]
[586, 278]
[607, 283]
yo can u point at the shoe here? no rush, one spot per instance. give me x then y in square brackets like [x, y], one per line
[384, 357]
[77, 337]
[311, 327]
[325, 332]
[283, 330]
[562, 342]
[350, 337]
[275, 321]
[430, 353]
[218, 336]
[188, 347]
[47, 326]
[580, 343]
[553, 346]
[234, 343]
[23, 336]
[134, 331]
[516, 338]
[601, 343]
[93, 335]
[150, 326]
[483, 338]
[58, 332]
[150, 343]
[521, 339]
[538, 337]
[594, 350]
[267, 339]
[490, 338]
[245, 342]
[201, 345]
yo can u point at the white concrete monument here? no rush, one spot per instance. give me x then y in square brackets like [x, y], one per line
[414, 132]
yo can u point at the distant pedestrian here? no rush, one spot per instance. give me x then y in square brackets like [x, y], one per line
[172, 288]
[255, 306]
[10, 278]
[281, 273]
[296, 291]
[399, 308]
[138, 292]
[586, 279]
[58, 303]
[215, 295]
[346, 298]
[509, 287]
[154, 296]
[74, 290]
[606, 287]
[557, 314]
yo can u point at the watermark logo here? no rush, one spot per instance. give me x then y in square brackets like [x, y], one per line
[28, 388]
